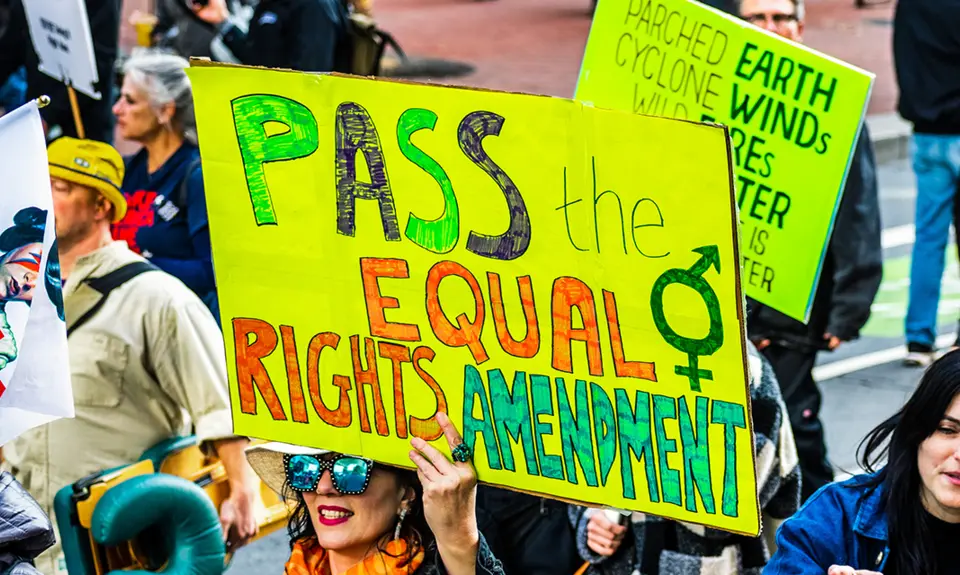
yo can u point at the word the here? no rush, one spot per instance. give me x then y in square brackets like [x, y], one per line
[635, 223]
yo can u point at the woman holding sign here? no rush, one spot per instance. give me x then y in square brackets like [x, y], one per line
[357, 517]
[904, 518]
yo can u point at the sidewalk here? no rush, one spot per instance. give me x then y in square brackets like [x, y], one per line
[536, 46]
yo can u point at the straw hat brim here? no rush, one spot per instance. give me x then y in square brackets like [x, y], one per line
[267, 461]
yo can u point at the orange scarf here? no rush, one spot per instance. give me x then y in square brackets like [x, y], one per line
[308, 558]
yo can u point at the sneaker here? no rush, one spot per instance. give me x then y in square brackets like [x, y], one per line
[919, 355]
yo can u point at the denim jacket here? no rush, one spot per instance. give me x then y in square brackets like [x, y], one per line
[487, 564]
[841, 524]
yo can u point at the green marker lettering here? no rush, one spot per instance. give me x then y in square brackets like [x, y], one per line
[732, 417]
[575, 433]
[604, 429]
[696, 456]
[474, 391]
[511, 412]
[250, 115]
[550, 465]
[633, 429]
[665, 408]
[440, 235]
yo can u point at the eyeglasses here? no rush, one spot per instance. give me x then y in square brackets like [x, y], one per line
[778, 19]
[350, 474]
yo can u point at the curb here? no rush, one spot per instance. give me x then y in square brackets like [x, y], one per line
[891, 137]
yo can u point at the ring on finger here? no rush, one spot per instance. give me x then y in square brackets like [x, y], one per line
[462, 453]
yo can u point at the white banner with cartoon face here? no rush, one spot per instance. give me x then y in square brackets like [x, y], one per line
[34, 370]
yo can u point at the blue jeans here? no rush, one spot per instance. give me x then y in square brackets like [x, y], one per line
[936, 163]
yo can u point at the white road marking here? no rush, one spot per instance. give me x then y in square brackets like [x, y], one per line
[868, 360]
[898, 236]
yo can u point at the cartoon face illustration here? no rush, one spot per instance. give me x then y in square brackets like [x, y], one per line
[21, 250]
[19, 270]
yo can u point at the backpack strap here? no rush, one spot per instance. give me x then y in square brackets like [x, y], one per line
[106, 284]
[181, 199]
[386, 40]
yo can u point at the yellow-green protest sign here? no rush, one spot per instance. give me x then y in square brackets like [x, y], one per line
[794, 117]
[561, 280]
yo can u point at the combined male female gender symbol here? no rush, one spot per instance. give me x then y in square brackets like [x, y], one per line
[694, 348]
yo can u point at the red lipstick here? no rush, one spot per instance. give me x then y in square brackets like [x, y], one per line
[331, 515]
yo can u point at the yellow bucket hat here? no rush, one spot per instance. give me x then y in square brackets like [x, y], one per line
[90, 163]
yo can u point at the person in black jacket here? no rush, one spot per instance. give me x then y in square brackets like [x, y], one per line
[25, 531]
[849, 281]
[16, 50]
[306, 35]
[926, 50]
[530, 535]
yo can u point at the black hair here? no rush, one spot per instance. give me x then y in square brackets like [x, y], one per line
[52, 280]
[28, 228]
[898, 441]
[414, 529]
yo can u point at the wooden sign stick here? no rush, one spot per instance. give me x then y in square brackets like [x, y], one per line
[77, 121]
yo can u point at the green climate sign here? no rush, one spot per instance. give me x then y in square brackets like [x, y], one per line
[794, 117]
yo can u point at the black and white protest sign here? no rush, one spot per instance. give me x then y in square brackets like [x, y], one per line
[60, 31]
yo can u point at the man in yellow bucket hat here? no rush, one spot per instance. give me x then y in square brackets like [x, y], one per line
[92, 165]
[143, 348]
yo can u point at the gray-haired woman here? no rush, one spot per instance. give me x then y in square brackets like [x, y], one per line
[166, 220]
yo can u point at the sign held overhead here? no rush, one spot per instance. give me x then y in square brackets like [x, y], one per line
[530, 266]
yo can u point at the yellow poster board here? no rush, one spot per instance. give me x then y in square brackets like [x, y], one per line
[561, 280]
[794, 117]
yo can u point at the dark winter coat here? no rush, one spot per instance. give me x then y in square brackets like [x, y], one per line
[926, 54]
[531, 535]
[306, 35]
[25, 531]
[852, 268]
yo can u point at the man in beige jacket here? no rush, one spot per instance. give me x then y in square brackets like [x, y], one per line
[146, 360]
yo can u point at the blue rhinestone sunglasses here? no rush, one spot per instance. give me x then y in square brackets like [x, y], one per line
[350, 475]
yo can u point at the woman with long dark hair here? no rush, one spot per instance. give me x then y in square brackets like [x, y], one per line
[357, 517]
[900, 519]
